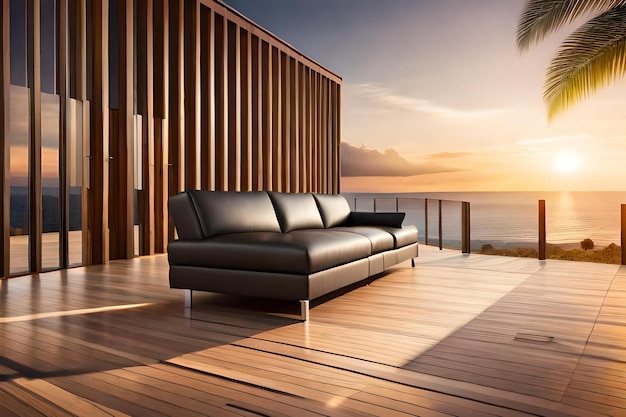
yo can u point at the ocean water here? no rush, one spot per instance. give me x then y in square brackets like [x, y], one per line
[507, 218]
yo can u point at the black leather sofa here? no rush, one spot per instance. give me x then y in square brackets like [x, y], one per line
[280, 245]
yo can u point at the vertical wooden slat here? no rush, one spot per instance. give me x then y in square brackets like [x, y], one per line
[245, 57]
[266, 117]
[337, 138]
[121, 149]
[221, 104]
[315, 171]
[322, 134]
[325, 136]
[285, 123]
[192, 93]
[319, 133]
[33, 25]
[160, 109]
[176, 140]
[207, 94]
[234, 107]
[64, 125]
[5, 186]
[160, 56]
[160, 185]
[277, 145]
[99, 133]
[294, 137]
[302, 129]
[145, 103]
[257, 115]
[308, 130]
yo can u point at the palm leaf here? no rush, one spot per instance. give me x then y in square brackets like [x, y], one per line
[541, 17]
[589, 58]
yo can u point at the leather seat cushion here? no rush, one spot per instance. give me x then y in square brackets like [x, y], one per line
[381, 240]
[297, 252]
[402, 236]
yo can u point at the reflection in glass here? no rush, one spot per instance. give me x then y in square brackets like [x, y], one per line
[75, 178]
[18, 127]
[50, 114]
[50, 131]
[138, 185]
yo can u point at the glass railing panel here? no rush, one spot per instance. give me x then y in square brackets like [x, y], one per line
[386, 205]
[451, 224]
[415, 214]
[364, 204]
[505, 227]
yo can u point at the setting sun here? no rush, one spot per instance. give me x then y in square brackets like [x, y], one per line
[567, 162]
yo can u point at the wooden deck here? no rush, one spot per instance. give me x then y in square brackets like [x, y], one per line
[458, 335]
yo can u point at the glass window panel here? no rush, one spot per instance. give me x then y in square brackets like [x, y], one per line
[18, 42]
[18, 127]
[50, 114]
[138, 183]
[75, 178]
[48, 35]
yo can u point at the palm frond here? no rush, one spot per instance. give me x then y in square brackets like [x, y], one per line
[589, 58]
[541, 17]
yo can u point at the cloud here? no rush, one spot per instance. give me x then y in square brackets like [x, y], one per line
[448, 155]
[384, 97]
[553, 139]
[363, 162]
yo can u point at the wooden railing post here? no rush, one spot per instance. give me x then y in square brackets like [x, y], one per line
[440, 225]
[426, 221]
[465, 228]
[623, 234]
[542, 230]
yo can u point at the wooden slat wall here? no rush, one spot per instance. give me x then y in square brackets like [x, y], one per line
[222, 103]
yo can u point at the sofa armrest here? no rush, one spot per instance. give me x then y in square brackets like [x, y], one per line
[185, 218]
[362, 218]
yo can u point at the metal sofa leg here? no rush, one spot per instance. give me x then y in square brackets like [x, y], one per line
[413, 262]
[188, 298]
[304, 310]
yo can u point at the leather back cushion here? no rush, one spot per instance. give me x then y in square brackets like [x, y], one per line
[296, 211]
[334, 209]
[222, 212]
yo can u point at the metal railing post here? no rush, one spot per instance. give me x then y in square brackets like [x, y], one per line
[542, 230]
[623, 234]
[465, 228]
